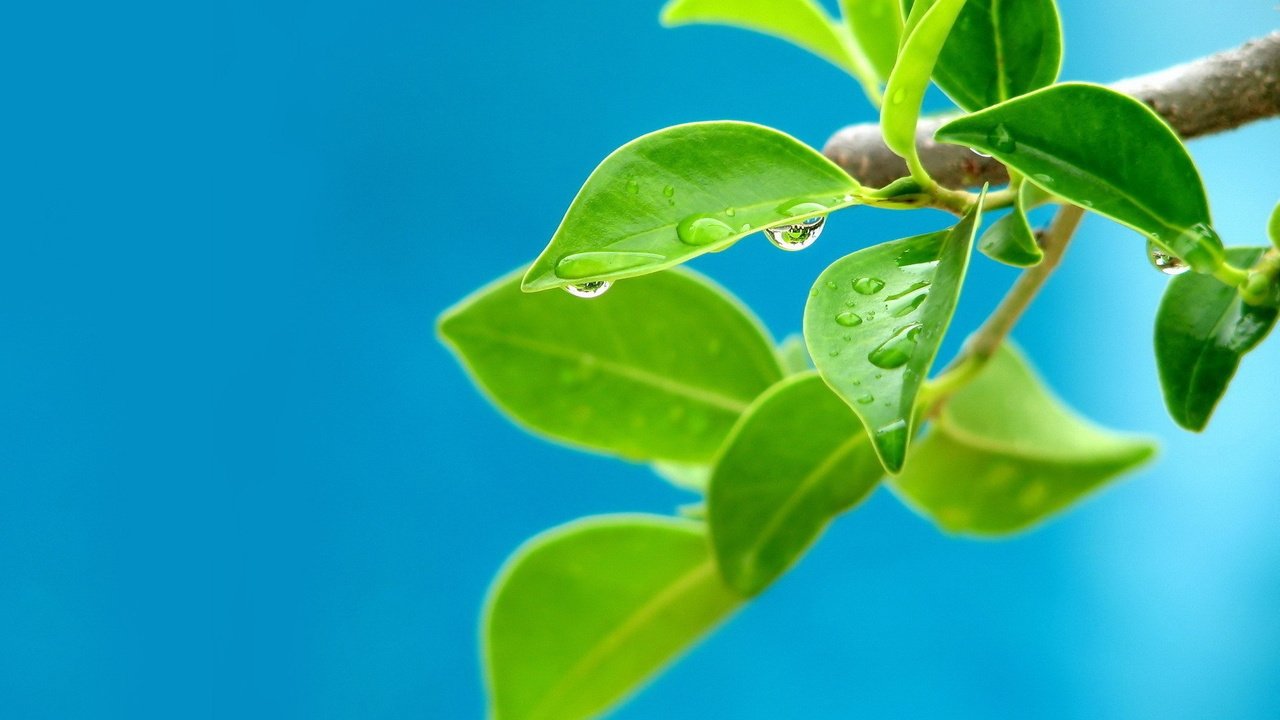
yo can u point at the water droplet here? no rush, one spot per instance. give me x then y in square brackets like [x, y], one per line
[868, 285]
[577, 266]
[897, 350]
[865, 399]
[833, 353]
[831, 285]
[745, 227]
[702, 230]
[910, 289]
[1167, 263]
[849, 319]
[633, 187]
[730, 212]
[856, 381]
[589, 289]
[1001, 139]
[906, 308]
[1045, 180]
[871, 315]
[798, 236]
[669, 191]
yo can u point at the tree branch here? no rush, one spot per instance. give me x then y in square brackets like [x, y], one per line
[1220, 92]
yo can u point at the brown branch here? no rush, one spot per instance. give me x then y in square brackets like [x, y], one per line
[1215, 93]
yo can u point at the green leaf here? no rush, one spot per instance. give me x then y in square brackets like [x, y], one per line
[876, 26]
[874, 321]
[999, 49]
[1010, 239]
[1004, 454]
[794, 355]
[1273, 227]
[927, 31]
[584, 614]
[1203, 329]
[1104, 151]
[672, 195]
[800, 22]
[796, 459]
[657, 369]
[684, 476]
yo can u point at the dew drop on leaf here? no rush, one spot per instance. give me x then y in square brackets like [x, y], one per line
[668, 191]
[798, 236]
[897, 350]
[848, 319]
[588, 289]
[866, 399]
[868, 285]
[1167, 263]
[702, 230]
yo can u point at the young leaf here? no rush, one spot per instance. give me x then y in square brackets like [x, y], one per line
[927, 31]
[1203, 329]
[687, 477]
[672, 195]
[800, 22]
[584, 614]
[1004, 454]
[1104, 151]
[876, 26]
[657, 369]
[1273, 227]
[796, 459]
[874, 321]
[1010, 239]
[794, 355]
[1000, 49]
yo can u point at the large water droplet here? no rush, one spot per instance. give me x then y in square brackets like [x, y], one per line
[798, 236]
[849, 319]
[909, 306]
[897, 350]
[576, 266]
[702, 230]
[1001, 139]
[1167, 263]
[868, 285]
[589, 289]
[865, 399]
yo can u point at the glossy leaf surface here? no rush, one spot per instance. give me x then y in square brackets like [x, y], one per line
[876, 26]
[797, 458]
[584, 614]
[658, 368]
[672, 195]
[999, 49]
[1103, 151]
[1010, 239]
[1203, 329]
[910, 76]
[801, 22]
[1004, 454]
[874, 321]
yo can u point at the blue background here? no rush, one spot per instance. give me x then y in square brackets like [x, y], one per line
[240, 478]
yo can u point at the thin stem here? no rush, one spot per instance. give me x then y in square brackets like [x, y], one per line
[986, 340]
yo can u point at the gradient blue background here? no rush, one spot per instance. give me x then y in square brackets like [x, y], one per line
[240, 478]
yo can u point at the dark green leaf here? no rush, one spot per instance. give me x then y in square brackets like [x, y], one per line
[1004, 454]
[1010, 239]
[584, 614]
[910, 76]
[657, 369]
[677, 193]
[794, 355]
[999, 49]
[1104, 151]
[796, 459]
[874, 321]
[876, 26]
[1203, 329]
[801, 22]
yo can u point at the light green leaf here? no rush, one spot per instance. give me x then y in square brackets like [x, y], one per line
[999, 49]
[794, 355]
[1273, 227]
[1004, 454]
[1203, 330]
[1104, 151]
[800, 22]
[684, 476]
[876, 27]
[1010, 239]
[584, 614]
[659, 368]
[796, 459]
[874, 321]
[672, 195]
[927, 31]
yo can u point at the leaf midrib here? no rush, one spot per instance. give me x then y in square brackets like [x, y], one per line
[643, 377]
